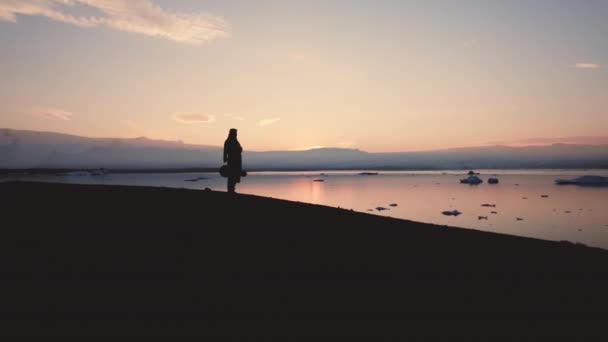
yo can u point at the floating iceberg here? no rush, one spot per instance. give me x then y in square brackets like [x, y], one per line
[584, 180]
[471, 180]
[99, 172]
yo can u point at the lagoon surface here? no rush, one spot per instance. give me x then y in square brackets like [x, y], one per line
[545, 210]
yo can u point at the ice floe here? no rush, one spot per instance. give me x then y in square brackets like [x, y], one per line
[471, 180]
[584, 180]
[451, 212]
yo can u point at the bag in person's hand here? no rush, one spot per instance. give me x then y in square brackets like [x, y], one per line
[224, 171]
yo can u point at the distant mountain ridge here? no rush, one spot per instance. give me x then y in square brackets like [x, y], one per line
[31, 149]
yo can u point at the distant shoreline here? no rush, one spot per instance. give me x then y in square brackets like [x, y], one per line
[58, 171]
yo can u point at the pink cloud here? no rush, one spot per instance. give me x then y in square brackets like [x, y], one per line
[52, 113]
[587, 66]
[137, 16]
[193, 118]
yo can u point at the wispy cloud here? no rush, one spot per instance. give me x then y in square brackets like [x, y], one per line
[193, 118]
[268, 122]
[138, 16]
[587, 66]
[51, 113]
[235, 117]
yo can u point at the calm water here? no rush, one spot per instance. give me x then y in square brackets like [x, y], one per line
[574, 213]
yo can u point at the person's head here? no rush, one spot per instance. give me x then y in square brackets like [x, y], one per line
[232, 133]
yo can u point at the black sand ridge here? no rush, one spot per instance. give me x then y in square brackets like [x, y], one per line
[117, 260]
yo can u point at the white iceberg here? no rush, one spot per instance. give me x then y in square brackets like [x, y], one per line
[584, 180]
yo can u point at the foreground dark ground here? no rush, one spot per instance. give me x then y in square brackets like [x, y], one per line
[103, 260]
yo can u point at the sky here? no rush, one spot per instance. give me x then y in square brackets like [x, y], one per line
[379, 75]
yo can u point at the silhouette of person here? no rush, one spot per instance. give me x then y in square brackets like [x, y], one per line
[232, 156]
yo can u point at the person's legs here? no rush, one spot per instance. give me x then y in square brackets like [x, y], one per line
[231, 184]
